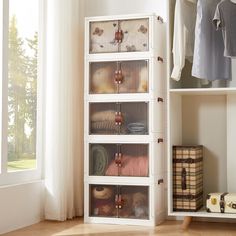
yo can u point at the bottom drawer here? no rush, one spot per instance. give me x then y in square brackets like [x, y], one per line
[119, 201]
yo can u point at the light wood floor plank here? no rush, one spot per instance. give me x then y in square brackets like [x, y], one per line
[168, 228]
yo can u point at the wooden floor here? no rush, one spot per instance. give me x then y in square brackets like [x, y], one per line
[168, 228]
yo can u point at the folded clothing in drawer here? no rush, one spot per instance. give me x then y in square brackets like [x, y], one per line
[103, 122]
[221, 202]
[130, 166]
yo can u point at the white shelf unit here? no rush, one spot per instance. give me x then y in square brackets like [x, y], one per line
[202, 116]
[149, 105]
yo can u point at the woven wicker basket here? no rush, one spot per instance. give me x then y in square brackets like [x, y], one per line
[187, 178]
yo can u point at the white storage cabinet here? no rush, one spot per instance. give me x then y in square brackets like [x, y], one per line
[124, 101]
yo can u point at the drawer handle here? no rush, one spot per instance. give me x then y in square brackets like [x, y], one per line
[118, 118]
[160, 59]
[118, 157]
[160, 140]
[159, 18]
[183, 179]
[118, 77]
[119, 202]
[119, 36]
[116, 201]
[160, 99]
[160, 181]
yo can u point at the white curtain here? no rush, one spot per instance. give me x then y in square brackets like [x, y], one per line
[64, 109]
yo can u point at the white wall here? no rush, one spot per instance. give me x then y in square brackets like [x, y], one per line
[204, 122]
[20, 205]
[119, 7]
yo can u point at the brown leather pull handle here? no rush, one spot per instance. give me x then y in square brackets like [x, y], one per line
[118, 159]
[160, 19]
[118, 118]
[117, 201]
[121, 202]
[160, 140]
[119, 36]
[160, 59]
[118, 76]
[183, 179]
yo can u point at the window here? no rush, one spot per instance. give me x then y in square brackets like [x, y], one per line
[20, 91]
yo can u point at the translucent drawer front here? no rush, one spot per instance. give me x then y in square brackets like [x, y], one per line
[102, 200]
[119, 201]
[119, 36]
[119, 160]
[135, 202]
[128, 118]
[118, 77]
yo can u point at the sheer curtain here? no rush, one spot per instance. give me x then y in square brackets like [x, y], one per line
[64, 109]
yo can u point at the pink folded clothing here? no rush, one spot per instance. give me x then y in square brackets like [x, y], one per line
[131, 166]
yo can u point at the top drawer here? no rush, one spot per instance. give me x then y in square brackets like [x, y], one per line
[119, 36]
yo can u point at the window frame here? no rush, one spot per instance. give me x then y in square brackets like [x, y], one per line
[22, 176]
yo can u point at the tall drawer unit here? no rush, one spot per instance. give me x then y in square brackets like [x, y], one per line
[124, 111]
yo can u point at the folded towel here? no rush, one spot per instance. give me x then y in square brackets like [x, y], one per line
[99, 157]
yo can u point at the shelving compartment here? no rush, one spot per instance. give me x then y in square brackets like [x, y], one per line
[119, 201]
[207, 120]
[187, 80]
[126, 118]
[131, 35]
[119, 160]
[111, 77]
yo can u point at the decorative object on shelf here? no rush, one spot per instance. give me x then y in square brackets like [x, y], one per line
[103, 201]
[100, 159]
[187, 178]
[139, 204]
[221, 203]
[130, 166]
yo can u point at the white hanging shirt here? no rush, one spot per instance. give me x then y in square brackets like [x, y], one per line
[209, 61]
[183, 42]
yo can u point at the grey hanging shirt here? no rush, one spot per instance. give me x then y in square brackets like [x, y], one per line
[225, 19]
[208, 60]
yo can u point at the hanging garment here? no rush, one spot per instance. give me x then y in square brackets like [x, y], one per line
[208, 60]
[225, 19]
[183, 42]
